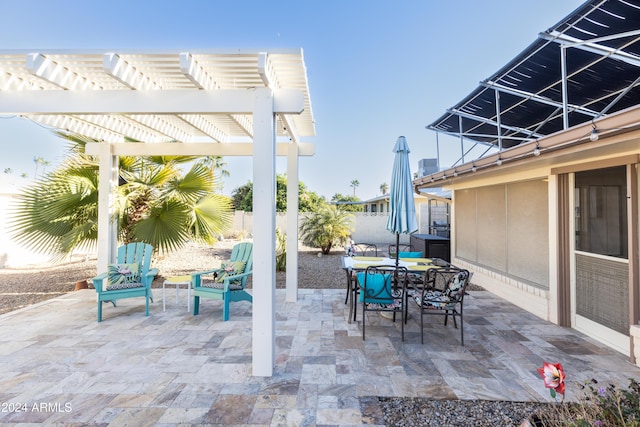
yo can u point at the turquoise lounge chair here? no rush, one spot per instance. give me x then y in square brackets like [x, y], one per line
[226, 283]
[131, 277]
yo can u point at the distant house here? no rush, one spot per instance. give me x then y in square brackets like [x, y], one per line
[432, 209]
[381, 204]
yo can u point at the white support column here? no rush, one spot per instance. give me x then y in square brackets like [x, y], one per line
[107, 229]
[292, 223]
[264, 235]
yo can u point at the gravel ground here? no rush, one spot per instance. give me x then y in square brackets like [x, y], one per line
[26, 286]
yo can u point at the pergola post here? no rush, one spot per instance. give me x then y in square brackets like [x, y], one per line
[292, 223]
[107, 227]
[264, 208]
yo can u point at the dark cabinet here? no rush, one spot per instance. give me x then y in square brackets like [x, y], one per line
[431, 246]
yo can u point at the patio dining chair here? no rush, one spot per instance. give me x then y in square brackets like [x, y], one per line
[130, 277]
[361, 249]
[382, 289]
[443, 294]
[227, 283]
[366, 249]
[402, 249]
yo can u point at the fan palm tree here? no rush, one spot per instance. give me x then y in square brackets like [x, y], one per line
[355, 183]
[155, 203]
[326, 227]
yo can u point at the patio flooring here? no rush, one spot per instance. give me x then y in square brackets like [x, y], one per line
[58, 365]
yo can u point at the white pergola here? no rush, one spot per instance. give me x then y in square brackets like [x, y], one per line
[220, 103]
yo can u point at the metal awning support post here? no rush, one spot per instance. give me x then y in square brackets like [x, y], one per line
[461, 138]
[498, 121]
[565, 96]
[438, 150]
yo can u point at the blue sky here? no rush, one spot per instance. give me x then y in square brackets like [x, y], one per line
[376, 69]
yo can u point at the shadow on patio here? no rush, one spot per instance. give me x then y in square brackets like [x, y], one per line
[173, 367]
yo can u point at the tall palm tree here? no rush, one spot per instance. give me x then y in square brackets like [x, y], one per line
[45, 164]
[155, 203]
[355, 183]
[38, 161]
[384, 187]
[326, 227]
[217, 165]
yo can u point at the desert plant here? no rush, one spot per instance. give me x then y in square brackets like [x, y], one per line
[598, 406]
[326, 227]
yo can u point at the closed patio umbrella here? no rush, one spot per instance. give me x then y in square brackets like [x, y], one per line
[402, 212]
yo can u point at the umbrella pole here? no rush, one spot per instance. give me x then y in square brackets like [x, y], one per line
[386, 314]
[395, 274]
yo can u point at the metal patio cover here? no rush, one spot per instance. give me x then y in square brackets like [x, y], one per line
[524, 100]
[87, 71]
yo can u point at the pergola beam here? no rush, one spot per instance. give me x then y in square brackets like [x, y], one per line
[193, 149]
[179, 101]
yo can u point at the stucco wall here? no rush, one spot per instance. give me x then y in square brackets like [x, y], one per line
[369, 227]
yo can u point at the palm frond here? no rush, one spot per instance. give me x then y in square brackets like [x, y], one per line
[197, 183]
[166, 227]
[212, 216]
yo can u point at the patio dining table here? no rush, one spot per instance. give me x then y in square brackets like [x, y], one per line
[353, 264]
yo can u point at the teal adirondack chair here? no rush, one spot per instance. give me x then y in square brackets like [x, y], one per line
[131, 277]
[226, 285]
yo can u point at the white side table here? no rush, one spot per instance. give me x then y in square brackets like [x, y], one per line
[177, 280]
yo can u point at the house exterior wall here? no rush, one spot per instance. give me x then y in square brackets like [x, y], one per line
[517, 210]
[501, 233]
[504, 228]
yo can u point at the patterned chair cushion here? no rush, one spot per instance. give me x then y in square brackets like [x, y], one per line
[378, 288]
[124, 285]
[214, 284]
[123, 276]
[446, 299]
[433, 299]
[455, 290]
[230, 268]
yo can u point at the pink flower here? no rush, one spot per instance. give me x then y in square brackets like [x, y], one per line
[553, 376]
